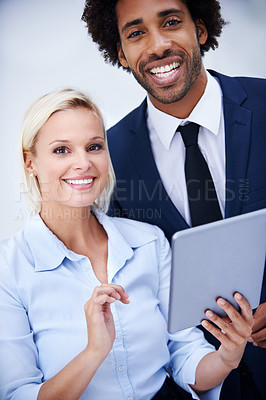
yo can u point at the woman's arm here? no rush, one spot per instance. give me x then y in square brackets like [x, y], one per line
[233, 332]
[74, 378]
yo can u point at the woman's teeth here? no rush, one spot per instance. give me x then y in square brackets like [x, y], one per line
[79, 181]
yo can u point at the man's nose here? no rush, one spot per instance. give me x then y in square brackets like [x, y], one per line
[158, 43]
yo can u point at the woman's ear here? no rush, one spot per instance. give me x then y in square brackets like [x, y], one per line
[202, 31]
[28, 162]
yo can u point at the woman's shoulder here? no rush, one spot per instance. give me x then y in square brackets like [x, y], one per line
[137, 231]
[13, 242]
[14, 248]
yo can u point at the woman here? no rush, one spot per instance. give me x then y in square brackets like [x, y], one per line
[70, 254]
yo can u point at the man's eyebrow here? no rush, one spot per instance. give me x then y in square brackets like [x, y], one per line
[170, 11]
[161, 14]
[132, 23]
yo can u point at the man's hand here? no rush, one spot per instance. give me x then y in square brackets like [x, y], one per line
[258, 337]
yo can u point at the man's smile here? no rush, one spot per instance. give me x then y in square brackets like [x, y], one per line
[165, 70]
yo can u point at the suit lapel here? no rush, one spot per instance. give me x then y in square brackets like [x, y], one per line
[237, 143]
[145, 166]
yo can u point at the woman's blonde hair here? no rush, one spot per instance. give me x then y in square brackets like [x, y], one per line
[35, 117]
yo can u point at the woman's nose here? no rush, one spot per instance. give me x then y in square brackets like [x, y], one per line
[82, 161]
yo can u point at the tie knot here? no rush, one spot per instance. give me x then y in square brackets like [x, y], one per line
[189, 133]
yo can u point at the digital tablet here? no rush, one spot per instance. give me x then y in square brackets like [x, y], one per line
[214, 260]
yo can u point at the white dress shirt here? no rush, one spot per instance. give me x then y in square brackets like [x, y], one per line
[43, 289]
[169, 150]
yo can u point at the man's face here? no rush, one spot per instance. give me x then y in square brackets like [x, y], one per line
[161, 45]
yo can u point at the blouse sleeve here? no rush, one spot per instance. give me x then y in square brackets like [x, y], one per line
[186, 347]
[20, 378]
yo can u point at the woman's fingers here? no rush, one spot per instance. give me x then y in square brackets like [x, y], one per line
[216, 332]
[246, 310]
[236, 326]
[103, 299]
[115, 291]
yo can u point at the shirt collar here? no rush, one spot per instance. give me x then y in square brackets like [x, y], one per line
[49, 252]
[124, 236]
[206, 113]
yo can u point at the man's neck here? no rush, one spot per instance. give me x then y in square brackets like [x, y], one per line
[183, 108]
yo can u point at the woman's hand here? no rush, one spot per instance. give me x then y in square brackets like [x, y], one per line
[100, 323]
[71, 382]
[232, 331]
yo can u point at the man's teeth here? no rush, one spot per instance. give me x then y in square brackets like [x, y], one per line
[79, 181]
[165, 70]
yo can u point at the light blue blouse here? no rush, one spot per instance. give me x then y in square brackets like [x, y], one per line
[43, 289]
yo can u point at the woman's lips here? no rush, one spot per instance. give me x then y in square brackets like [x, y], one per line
[80, 184]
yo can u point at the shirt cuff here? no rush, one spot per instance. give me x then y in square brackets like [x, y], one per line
[186, 376]
[28, 392]
[212, 394]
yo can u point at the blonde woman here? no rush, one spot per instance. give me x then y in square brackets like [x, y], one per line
[84, 296]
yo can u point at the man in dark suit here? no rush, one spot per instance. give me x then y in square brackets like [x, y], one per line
[162, 43]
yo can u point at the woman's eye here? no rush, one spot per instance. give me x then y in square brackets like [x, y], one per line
[61, 150]
[95, 147]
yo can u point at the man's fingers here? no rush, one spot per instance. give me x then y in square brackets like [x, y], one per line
[259, 320]
[259, 337]
[261, 344]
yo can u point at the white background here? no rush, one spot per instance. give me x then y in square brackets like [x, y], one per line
[44, 45]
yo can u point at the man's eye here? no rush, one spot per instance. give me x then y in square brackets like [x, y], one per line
[61, 150]
[173, 22]
[95, 147]
[135, 34]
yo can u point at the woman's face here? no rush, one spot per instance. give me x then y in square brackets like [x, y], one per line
[71, 161]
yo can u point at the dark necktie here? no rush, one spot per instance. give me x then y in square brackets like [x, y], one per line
[203, 203]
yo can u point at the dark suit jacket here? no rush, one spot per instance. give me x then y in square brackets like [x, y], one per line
[140, 194]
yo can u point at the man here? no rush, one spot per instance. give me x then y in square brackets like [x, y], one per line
[162, 44]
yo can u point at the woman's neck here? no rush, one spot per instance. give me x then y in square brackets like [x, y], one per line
[76, 227]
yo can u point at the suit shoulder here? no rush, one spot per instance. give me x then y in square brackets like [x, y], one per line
[121, 134]
[252, 88]
[123, 122]
[124, 125]
[253, 85]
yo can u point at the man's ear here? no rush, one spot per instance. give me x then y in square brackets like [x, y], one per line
[202, 31]
[28, 162]
[121, 56]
